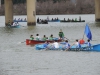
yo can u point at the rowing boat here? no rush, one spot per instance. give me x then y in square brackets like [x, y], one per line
[11, 26]
[73, 48]
[34, 42]
[71, 21]
[53, 20]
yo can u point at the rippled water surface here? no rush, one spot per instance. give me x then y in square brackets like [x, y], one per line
[17, 58]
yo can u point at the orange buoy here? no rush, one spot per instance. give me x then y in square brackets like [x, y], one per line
[81, 41]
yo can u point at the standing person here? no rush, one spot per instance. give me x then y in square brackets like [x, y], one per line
[31, 37]
[61, 34]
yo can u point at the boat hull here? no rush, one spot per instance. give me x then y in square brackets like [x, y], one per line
[17, 26]
[42, 22]
[73, 48]
[34, 42]
[53, 20]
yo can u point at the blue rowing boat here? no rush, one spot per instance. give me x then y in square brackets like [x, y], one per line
[73, 48]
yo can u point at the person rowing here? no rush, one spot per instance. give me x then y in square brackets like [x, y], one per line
[67, 45]
[46, 45]
[51, 37]
[77, 44]
[37, 37]
[88, 43]
[44, 38]
[55, 44]
[31, 37]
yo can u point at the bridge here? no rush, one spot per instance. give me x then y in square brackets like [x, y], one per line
[31, 11]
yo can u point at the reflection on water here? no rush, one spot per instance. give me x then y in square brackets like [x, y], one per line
[18, 59]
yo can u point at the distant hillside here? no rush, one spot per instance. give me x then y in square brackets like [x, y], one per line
[54, 7]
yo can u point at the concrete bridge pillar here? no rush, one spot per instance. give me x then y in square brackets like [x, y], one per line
[97, 10]
[8, 11]
[0, 3]
[31, 12]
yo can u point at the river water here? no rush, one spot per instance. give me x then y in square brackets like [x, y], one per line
[17, 58]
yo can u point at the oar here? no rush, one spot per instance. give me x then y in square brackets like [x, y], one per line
[67, 38]
[21, 42]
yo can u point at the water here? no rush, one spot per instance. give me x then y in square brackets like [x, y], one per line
[17, 58]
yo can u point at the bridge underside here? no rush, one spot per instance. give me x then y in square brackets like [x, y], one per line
[31, 12]
[97, 10]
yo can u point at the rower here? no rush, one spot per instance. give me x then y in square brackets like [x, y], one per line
[55, 44]
[44, 38]
[88, 43]
[77, 44]
[37, 37]
[67, 45]
[51, 37]
[31, 37]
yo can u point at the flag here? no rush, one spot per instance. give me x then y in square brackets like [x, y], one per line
[88, 32]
